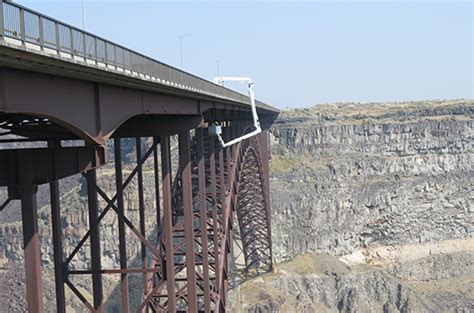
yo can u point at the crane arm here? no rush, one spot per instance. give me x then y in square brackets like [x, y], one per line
[217, 130]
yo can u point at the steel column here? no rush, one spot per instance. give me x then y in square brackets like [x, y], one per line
[203, 218]
[31, 246]
[168, 222]
[96, 263]
[185, 164]
[222, 196]
[157, 183]
[228, 156]
[57, 246]
[141, 209]
[121, 225]
[215, 208]
[57, 239]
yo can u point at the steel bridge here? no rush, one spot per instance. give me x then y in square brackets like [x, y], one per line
[61, 85]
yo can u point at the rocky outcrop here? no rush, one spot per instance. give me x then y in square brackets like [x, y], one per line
[322, 283]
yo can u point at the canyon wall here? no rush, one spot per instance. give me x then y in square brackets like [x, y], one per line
[345, 176]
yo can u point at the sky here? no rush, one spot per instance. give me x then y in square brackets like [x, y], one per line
[299, 53]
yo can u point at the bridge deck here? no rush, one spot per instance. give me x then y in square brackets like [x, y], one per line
[31, 40]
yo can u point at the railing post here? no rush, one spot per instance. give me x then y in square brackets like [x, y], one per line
[115, 56]
[96, 58]
[2, 21]
[58, 39]
[84, 46]
[22, 26]
[106, 54]
[41, 32]
[71, 39]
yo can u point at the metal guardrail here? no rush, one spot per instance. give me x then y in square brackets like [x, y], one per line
[29, 28]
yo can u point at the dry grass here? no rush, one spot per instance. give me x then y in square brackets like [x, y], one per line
[369, 112]
[310, 263]
[285, 164]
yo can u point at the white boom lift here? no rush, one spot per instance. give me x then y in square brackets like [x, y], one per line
[216, 130]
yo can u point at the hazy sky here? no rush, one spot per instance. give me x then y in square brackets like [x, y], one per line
[299, 53]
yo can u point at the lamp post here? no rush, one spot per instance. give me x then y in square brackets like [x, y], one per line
[181, 47]
[83, 15]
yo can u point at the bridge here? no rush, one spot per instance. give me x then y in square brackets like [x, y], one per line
[68, 98]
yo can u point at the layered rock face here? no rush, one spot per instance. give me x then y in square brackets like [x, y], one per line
[382, 197]
[346, 176]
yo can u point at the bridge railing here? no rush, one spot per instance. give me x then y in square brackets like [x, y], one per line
[37, 32]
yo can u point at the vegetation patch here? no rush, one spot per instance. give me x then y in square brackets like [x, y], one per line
[309, 263]
[285, 164]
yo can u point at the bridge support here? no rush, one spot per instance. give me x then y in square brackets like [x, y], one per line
[96, 261]
[184, 263]
[57, 246]
[31, 246]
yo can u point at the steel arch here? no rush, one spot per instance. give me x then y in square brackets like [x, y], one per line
[229, 181]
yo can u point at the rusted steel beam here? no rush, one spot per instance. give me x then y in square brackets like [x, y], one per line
[94, 110]
[31, 246]
[81, 296]
[57, 240]
[203, 217]
[121, 225]
[96, 263]
[215, 223]
[128, 222]
[67, 161]
[169, 268]
[157, 125]
[221, 227]
[228, 156]
[185, 164]
[115, 271]
[57, 246]
[157, 183]
[141, 209]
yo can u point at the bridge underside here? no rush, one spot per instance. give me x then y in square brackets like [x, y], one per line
[198, 188]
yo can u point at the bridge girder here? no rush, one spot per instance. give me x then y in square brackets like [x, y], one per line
[95, 111]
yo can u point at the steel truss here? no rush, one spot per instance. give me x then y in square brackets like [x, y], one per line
[193, 212]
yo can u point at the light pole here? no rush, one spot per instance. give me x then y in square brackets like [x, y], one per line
[83, 15]
[181, 47]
